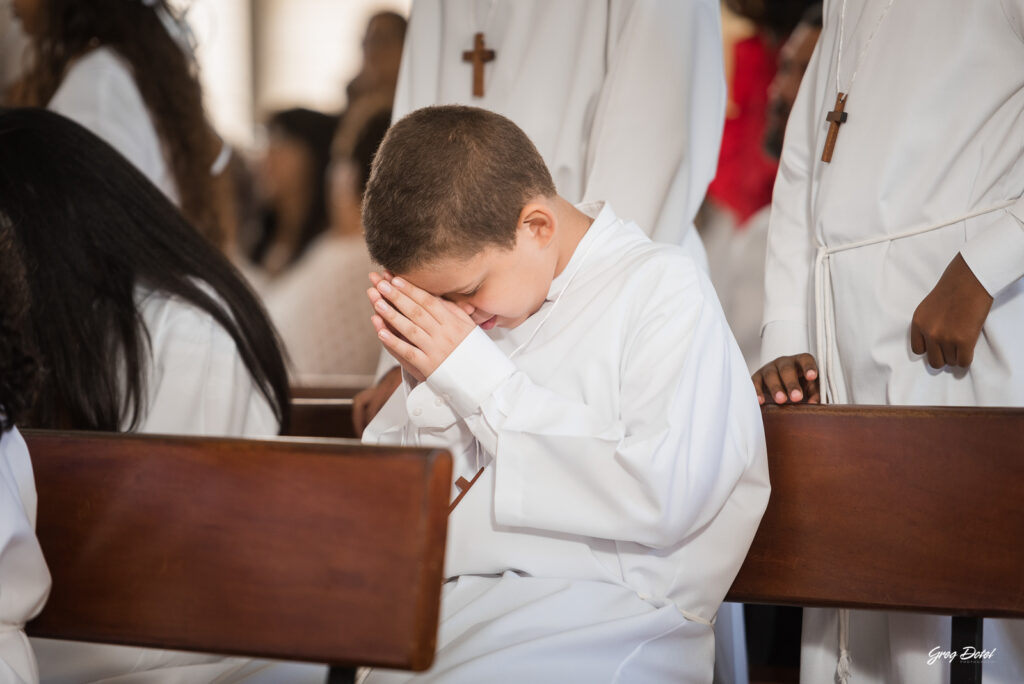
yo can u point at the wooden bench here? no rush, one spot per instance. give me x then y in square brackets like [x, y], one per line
[313, 550]
[313, 417]
[890, 508]
[324, 392]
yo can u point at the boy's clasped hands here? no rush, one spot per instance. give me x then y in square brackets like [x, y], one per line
[417, 328]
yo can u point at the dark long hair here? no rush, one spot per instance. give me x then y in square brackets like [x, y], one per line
[165, 74]
[313, 130]
[91, 229]
[19, 369]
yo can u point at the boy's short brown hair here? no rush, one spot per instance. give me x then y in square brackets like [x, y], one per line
[449, 181]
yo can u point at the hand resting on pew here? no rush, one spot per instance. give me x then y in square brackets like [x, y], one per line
[788, 379]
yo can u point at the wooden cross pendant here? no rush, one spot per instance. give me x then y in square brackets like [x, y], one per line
[478, 56]
[835, 119]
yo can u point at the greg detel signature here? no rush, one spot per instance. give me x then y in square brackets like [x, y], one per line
[968, 654]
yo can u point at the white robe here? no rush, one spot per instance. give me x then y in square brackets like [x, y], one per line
[197, 384]
[99, 92]
[625, 474]
[934, 133]
[625, 100]
[24, 578]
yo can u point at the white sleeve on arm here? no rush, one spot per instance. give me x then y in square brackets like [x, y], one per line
[688, 430]
[790, 257]
[653, 147]
[996, 254]
[24, 577]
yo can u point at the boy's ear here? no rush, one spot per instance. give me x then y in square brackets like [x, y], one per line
[538, 220]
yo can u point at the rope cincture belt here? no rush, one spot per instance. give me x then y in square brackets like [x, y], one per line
[827, 351]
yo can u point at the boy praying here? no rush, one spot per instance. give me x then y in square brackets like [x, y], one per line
[608, 447]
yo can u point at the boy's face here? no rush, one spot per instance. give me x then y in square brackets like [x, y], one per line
[496, 287]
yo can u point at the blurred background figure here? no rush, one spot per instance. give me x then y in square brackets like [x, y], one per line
[318, 305]
[732, 224]
[745, 175]
[311, 250]
[125, 69]
[292, 187]
[382, 55]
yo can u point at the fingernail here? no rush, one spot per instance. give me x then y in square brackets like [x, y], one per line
[780, 397]
[796, 395]
[381, 306]
[760, 399]
[398, 282]
[383, 286]
[383, 334]
[811, 375]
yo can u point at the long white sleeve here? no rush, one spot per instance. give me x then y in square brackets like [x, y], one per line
[653, 147]
[688, 430]
[24, 577]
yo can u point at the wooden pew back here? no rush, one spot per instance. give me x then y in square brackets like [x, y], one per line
[918, 509]
[322, 418]
[314, 550]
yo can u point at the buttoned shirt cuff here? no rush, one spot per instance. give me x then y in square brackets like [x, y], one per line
[471, 373]
[996, 254]
[783, 338]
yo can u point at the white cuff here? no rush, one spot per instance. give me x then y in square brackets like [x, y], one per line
[996, 254]
[471, 373]
[783, 338]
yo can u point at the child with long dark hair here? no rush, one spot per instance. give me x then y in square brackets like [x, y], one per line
[139, 324]
[124, 69]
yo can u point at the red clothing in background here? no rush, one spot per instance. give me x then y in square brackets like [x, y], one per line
[743, 183]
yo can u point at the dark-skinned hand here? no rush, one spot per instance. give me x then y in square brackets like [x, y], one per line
[947, 323]
[788, 379]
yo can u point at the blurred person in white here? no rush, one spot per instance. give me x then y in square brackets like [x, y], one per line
[125, 70]
[319, 306]
[24, 578]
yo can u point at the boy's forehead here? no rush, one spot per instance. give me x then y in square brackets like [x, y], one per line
[448, 274]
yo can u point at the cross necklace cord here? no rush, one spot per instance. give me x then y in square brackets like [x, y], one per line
[480, 55]
[838, 115]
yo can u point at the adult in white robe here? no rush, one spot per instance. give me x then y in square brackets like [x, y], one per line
[196, 384]
[99, 92]
[24, 578]
[625, 100]
[624, 474]
[929, 164]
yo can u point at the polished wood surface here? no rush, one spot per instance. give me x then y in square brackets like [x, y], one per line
[315, 550]
[323, 392]
[897, 508]
[322, 418]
